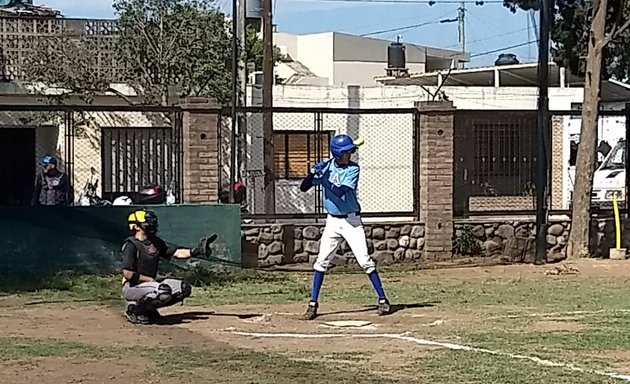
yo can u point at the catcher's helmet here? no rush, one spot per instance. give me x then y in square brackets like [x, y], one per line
[147, 220]
[340, 144]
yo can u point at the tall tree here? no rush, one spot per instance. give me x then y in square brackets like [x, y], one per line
[174, 46]
[167, 48]
[598, 31]
[67, 62]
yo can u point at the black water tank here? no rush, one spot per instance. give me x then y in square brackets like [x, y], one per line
[396, 56]
[506, 59]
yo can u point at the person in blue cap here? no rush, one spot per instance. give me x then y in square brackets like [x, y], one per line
[339, 177]
[52, 187]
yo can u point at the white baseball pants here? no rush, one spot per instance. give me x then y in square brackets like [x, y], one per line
[350, 229]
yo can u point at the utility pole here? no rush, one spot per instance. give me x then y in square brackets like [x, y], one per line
[542, 166]
[234, 100]
[267, 96]
[461, 27]
[241, 27]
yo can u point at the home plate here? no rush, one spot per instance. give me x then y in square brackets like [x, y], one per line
[348, 323]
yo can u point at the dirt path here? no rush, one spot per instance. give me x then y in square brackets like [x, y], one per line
[213, 328]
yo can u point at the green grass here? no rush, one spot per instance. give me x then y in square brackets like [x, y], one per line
[480, 299]
[466, 367]
[24, 348]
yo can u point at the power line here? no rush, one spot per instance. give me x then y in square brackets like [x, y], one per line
[489, 38]
[429, 2]
[503, 48]
[397, 29]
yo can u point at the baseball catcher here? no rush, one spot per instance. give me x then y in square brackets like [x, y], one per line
[141, 255]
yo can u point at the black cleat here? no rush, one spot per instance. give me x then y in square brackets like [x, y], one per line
[311, 311]
[383, 307]
[154, 316]
[135, 318]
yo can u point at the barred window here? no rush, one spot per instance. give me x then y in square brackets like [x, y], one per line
[296, 150]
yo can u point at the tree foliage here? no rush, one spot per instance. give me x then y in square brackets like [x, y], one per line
[254, 49]
[166, 48]
[570, 29]
[174, 45]
[67, 62]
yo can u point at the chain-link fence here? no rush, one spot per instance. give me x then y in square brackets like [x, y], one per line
[301, 138]
[103, 153]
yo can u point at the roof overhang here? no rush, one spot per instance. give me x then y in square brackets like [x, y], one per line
[517, 75]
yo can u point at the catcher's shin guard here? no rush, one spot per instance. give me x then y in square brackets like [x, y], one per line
[156, 299]
[186, 291]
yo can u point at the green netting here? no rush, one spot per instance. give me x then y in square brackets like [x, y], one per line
[45, 241]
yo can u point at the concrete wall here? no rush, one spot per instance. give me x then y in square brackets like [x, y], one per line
[363, 73]
[316, 52]
[354, 60]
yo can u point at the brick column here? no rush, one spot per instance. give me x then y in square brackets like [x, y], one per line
[200, 130]
[557, 159]
[436, 177]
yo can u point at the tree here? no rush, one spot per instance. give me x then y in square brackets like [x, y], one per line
[166, 48]
[67, 62]
[171, 46]
[593, 30]
[254, 49]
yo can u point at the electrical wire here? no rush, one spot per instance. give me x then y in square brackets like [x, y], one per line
[489, 38]
[429, 2]
[404, 28]
[503, 48]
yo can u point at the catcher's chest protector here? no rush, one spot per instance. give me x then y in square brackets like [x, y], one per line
[148, 257]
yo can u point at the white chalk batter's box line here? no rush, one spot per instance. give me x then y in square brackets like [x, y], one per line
[406, 337]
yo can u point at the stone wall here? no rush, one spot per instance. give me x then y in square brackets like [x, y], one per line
[497, 237]
[514, 239]
[511, 240]
[299, 243]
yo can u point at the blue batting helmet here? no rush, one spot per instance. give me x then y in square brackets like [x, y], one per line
[340, 144]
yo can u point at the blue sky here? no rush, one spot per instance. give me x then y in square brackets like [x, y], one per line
[489, 27]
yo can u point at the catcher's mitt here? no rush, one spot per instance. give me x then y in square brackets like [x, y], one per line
[203, 250]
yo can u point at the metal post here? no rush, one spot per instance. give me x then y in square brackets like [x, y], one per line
[241, 25]
[543, 132]
[627, 163]
[233, 136]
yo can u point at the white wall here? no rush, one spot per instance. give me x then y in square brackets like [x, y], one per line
[316, 52]
[364, 73]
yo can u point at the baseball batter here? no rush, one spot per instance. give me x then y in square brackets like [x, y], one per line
[340, 177]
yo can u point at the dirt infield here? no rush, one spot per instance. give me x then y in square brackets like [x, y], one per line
[87, 343]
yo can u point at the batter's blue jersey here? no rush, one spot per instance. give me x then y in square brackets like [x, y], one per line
[340, 176]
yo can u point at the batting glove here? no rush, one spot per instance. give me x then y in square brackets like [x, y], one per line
[319, 167]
